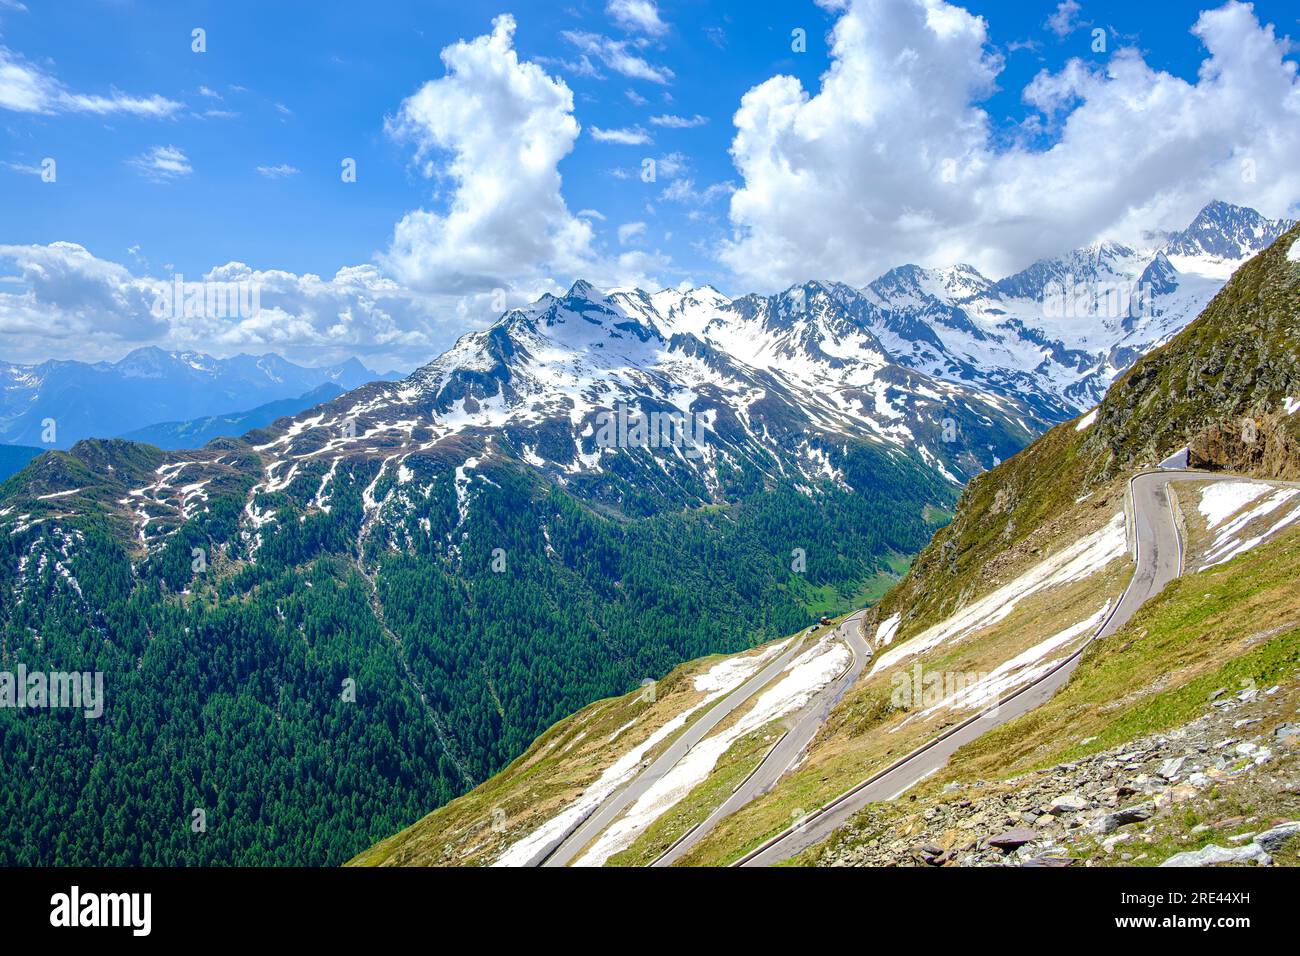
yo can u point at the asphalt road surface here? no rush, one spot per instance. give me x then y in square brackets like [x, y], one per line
[790, 747]
[1159, 561]
[616, 802]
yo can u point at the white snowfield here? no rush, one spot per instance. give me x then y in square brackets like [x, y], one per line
[1079, 560]
[1293, 254]
[805, 675]
[887, 629]
[729, 673]
[1024, 668]
[1223, 499]
[719, 680]
[1086, 421]
[1229, 542]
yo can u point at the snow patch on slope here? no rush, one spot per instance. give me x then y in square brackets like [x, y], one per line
[1024, 668]
[1223, 499]
[806, 674]
[1229, 543]
[734, 670]
[1081, 559]
[718, 680]
[886, 631]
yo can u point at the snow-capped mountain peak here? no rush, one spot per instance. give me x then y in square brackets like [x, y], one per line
[942, 368]
[780, 387]
[1224, 233]
[1059, 330]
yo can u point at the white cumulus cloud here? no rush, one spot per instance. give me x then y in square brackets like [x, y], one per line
[71, 303]
[637, 15]
[1065, 20]
[630, 231]
[495, 129]
[893, 159]
[489, 135]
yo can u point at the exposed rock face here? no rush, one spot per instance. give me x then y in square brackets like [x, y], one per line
[1111, 822]
[1213, 855]
[1273, 839]
[1265, 447]
[1013, 839]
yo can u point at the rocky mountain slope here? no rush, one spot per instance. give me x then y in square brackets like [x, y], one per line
[1059, 331]
[707, 398]
[1222, 788]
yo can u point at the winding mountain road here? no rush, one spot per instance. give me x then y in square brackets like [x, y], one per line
[572, 844]
[1159, 554]
[790, 747]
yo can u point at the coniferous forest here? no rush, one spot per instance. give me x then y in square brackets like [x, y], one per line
[293, 702]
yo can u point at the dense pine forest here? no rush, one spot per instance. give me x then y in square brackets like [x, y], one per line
[293, 698]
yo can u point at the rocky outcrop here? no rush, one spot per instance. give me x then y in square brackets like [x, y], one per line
[1115, 806]
[1264, 446]
[1219, 386]
[1213, 855]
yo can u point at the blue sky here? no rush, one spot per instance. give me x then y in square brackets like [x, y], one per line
[340, 74]
[172, 161]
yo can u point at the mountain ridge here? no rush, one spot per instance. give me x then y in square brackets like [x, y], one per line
[197, 432]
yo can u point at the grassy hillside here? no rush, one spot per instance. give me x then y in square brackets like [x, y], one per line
[1235, 364]
[1186, 655]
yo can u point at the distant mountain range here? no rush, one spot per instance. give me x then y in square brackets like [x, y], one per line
[106, 399]
[14, 457]
[197, 432]
[1019, 354]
